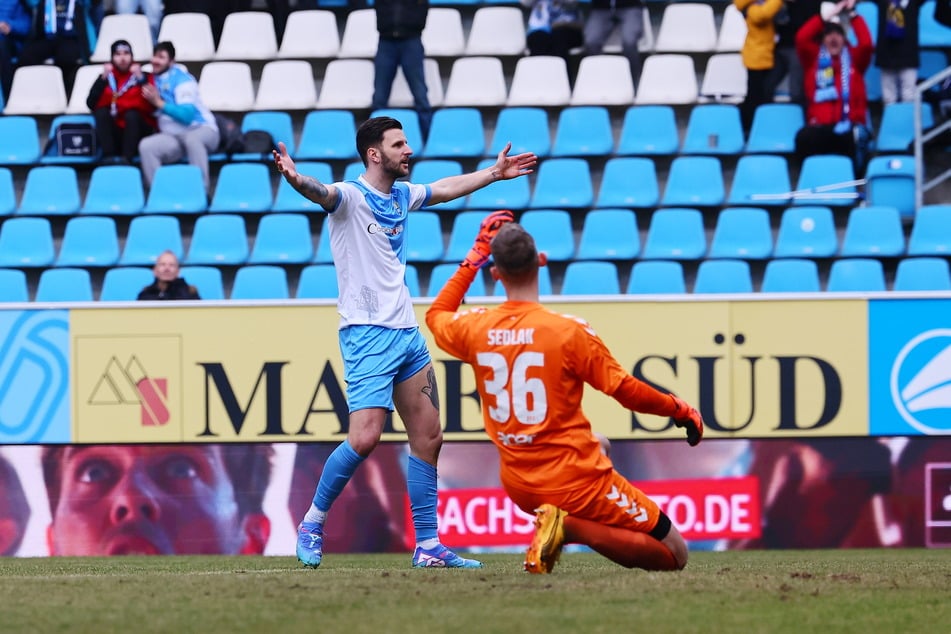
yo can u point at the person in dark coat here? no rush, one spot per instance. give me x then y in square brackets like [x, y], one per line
[167, 284]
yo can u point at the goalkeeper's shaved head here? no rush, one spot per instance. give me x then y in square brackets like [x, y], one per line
[515, 254]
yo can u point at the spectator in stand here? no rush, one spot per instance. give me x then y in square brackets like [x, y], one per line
[627, 16]
[837, 106]
[897, 49]
[123, 116]
[186, 127]
[14, 29]
[759, 55]
[151, 8]
[62, 31]
[788, 22]
[554, 27]
[168, 284]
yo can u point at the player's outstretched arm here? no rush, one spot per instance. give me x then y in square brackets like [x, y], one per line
[638, 396]
[506, 167]
[308, 186]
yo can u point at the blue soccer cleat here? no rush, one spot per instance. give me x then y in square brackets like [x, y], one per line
[441, 557]
[310, 543]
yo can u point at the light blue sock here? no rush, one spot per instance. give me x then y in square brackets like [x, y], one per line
[421, 485]
[338, 470]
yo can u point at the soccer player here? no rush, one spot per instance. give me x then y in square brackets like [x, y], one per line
[531, 365]
[385, 358]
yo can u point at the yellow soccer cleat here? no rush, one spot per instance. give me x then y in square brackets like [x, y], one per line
[548, 541]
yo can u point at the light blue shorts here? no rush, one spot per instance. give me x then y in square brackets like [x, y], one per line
[375, 359]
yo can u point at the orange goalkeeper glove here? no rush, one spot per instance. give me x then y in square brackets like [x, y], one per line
[687, 417]
[481, 250]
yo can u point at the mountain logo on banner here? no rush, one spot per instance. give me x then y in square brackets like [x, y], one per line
[131, 384]
[921, 382]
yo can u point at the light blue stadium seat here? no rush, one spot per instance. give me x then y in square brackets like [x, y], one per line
[114, 190]
[328, 135]
[64, 285]
[206, 279]
[544, 284]
[806, 232]
[19, 140]
[743, 233]
[423, 237]
[868, 9]
[289, 199]
[429, 171]
[774, 128]
[456, 133]
[694, 181]
[411, 127]
[282, 238]
[124, 284]
[628, 181]
[8, 199]
[890, 180]
[656, 277]
[723, 276]
[931, 33]
[760, 179]
[583, 131]
[89, 241]
[465, 228]
[922, 274]
[933, 61]
[609, 234]
[51, 154]
[563, 182]
[411, 279]
[792, 275]
[675, 234]
[873, 232]
[931, 232]
[50, 190]
[323, 255]
[317, 281]
[441, 273]
[242, 188]
[278, 124]
[714, 128]
[856, 274]
[260, 281]
[873, 81]
[649, 130]
[177, 189]
[218, 240]
[512, 194]
[823, 179]
[897, 127]
[353, 170]
[26, 242]
[148, 237]
[551, 229]
[13, 287]
[591, 277]
[525, 127]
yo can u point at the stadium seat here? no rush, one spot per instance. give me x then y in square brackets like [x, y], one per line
[675, 234]
[603, 80]
[496, 31]
[609, 234]
[563, 182]
[476, 81]
[591, 277]
[114, 190]
[873, 82]
[247, 35]
[411, 279]
[64, 285]
[724, 79]
[856, 275]
[428, 171]
[742, 233]
[444, 35]
[191, 34]
[282, 239]
[82, 83]
[26, 242]
[125, 283]
[896, 131]
[226, 86]
[806, 232]
[723, 276]
[411, 128]
[922, 274]
[761, 180]
[36, 90]
[242, 188]
[423, 237]
[19, 140]
[456, 133]
[792, 275]
[278, 124]
[774, 128]
[218, 240]
[668, 79]
[649, 130]
[465, 228]
[89, 241]
[177, 188]
[826, 179]
[206, 279]
[931, 33]
[628, 181]
[347, 85]
[873, 232]
[694, 181]
[13, 287]
[148, 237]
[932, 63]
[441, 273]
[289, 199]
[353, 170]
[869, 12]
[525, 128]
[540, 80]
[132, 27]
[507, 194]
[890, 181]
[260, 281]
[360, 37]
[544, 284]
[931, 232]
[328, 135]
[310, 35]
[687, 27]
[583, 131]
[323, 254]
[656, 277]
[402, 97]
[8, 199]
[552, 231]
[714, 129]
[317, 281]
[732, 33]
[51, 190]
[288, 84]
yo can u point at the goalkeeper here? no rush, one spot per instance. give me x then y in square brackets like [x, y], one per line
[531, 365]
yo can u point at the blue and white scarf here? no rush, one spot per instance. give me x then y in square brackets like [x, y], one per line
[825, 83]
[52, 14]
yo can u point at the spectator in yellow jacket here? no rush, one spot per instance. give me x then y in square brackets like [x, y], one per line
[763, 69]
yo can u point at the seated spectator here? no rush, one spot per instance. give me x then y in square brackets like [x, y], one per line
[836, 101]
[14, 29]
[123, 116]
[604, 17]
[167, 284]
[186, 127]
[554, 27]
[897, 53]
[62, 31]
[151, 8]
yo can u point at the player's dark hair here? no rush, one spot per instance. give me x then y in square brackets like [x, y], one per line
[371, 133]
[166, 46]
[514, 253]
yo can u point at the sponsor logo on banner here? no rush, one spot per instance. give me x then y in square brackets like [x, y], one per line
[129, 383]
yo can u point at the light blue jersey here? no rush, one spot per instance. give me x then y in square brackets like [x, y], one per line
[177, 86]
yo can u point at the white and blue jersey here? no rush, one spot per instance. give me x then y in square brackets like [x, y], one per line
[368, 243]
[177, 86]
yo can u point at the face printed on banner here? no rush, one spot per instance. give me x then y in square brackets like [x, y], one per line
[14, 509]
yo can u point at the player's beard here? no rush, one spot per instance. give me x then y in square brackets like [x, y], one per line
[396, 169]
